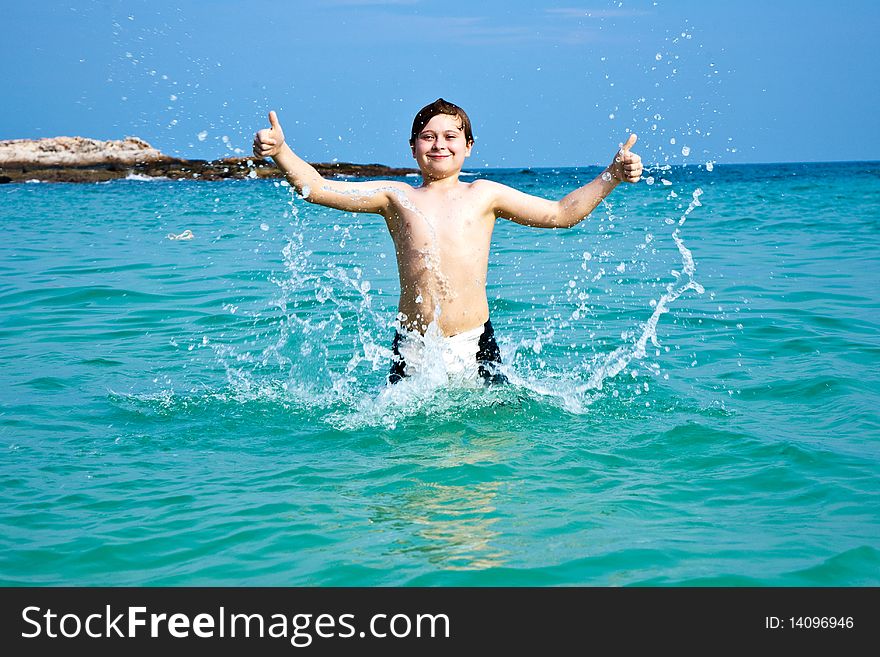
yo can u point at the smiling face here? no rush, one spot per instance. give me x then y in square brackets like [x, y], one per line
[441, 147]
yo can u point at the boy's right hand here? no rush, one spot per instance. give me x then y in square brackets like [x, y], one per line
[268, 142]
[627, 166]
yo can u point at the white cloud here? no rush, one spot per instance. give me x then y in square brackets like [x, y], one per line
[482, 30]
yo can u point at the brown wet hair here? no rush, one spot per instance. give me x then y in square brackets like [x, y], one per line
[441, 106]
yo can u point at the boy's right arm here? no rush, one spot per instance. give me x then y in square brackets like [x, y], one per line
[534, 211]
[342, 195]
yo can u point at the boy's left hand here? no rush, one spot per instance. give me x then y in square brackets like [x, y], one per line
[627, 166]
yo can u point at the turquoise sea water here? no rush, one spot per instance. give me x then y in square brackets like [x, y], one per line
[210, 411]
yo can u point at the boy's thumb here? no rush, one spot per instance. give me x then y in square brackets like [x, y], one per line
[629, 142]
[273, 120]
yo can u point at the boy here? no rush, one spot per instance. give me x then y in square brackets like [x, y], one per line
[441, 232]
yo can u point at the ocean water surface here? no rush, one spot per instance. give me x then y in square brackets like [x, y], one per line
[694, 390]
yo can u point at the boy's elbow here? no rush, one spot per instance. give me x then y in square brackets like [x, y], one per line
[571, 219]
[565, 219]
[313, 190]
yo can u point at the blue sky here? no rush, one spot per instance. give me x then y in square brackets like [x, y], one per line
[545, 83]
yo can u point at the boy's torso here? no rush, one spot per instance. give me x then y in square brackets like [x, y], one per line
[442, 242]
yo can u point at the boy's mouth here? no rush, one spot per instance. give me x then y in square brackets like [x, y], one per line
[437, 157]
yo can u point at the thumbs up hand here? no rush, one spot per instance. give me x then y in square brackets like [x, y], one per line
[268, 142]
[627, 166]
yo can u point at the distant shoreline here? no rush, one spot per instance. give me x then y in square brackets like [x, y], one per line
[180, 169]
[83, 160]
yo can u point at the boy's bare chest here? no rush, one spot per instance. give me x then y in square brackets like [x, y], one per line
[447, 219]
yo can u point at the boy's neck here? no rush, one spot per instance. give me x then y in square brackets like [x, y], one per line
[439, 184]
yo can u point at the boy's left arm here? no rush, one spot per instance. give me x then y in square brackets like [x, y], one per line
[531, 210]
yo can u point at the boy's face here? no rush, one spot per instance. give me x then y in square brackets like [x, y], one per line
[441, 147]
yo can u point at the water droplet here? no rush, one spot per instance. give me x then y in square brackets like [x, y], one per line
[685, 150]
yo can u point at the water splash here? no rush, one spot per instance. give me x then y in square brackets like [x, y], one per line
[580, 385]
[612, 364]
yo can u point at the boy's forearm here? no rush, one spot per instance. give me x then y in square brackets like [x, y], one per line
[314, 188]
[575, 207]
[298, 172]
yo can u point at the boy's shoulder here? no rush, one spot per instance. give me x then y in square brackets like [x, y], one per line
[488, 187]
[397, 185]
[486, 183]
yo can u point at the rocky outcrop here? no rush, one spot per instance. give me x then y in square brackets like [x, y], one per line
[77, 159]
[75, 152]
